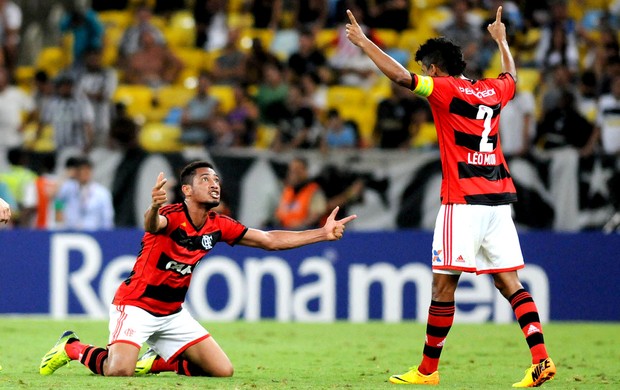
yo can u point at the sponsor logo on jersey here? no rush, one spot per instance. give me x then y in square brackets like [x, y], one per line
[478, 94]
[181, 268]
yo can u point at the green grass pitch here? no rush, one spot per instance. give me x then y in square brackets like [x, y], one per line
[270, 355]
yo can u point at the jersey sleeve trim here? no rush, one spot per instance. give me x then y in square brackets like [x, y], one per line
[239, 238]
[503, 75]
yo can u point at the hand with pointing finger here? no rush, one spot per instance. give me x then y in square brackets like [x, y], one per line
[354, 31]
[334, 227]
[158, 194]
[497, 29]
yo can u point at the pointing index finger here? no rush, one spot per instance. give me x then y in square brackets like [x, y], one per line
[351, 17]
[498, 16]
[160, 181]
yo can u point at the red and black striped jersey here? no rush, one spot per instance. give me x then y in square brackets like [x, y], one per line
[161, 275]
[466, 114]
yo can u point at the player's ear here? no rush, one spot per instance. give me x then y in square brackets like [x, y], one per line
[187, 190]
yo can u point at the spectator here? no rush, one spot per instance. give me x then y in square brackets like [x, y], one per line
[43, 91]
[266, 13]
[315, 91]
[71, 116]
[308, 59]
[557, 47]
[131, 41]
[198, 113]
[153, 64]
[587, 97]
[272, 90]
[40, 195]
[517, 124]
[98, 84]
[211, 24]
[123, 130]
[339, 134]
[302, 203]
[350, 64]
[222, 133]
[13, 104]
[563, 126]
[256, 61]
[608, 121]
[230, 65]
[392, 14]
[18, 178]
[394, 118]
[463, 30]
[87, 30]
[87, 205]
[10, 26]
[296, 122]
[310, 14]
[243, 117]
[553, 89]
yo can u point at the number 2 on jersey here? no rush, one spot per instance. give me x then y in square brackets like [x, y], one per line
[485, 113]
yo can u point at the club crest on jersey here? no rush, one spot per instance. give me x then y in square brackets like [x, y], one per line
[207, 241]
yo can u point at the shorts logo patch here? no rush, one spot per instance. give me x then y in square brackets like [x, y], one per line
[437, 256]
[460, 259]
[129, 332]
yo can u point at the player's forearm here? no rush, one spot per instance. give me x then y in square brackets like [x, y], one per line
[389, 66]
[508, 63]
[151, 220]
[285, 239]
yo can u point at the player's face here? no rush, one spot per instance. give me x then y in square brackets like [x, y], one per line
[205, 187]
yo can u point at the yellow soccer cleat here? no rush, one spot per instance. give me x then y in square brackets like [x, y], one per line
[145, 363]
[537, 374]
[57, 356]
[414, 377]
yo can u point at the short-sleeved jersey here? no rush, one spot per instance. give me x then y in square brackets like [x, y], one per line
[161, 275]
[466, 114]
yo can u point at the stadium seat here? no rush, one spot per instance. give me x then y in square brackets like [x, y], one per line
[248, 34]
[179, 37]
[191, 58]
[225, 94]
[52, 60]
[365, 118]
[157, 137]
[389, 38]
[410, 40]
[343, 95]
[115, 18]
[183, 19]
[137, 98]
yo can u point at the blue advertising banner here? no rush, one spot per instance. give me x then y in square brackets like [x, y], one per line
[366, 276]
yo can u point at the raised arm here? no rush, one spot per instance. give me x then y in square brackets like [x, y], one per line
[389, 66]
[153, 222]
[497, 29]
[286, 239]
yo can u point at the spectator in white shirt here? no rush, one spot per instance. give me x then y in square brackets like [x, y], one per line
[13, 103]
[86, 205]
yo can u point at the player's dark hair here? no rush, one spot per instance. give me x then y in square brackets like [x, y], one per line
[442, 52]
[187, 174]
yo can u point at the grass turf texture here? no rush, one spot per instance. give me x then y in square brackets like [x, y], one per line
[269, 355]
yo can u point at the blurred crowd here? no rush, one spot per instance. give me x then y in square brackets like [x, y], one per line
[280, 75]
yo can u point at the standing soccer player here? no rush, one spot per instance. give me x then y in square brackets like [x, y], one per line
[474, 231]
[148, 307]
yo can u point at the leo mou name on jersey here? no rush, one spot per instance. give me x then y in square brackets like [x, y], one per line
[477, 158]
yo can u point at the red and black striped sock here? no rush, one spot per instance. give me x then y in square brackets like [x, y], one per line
[440, 319]
[93, 358]
[184, 367]
[160, 365]
[527, 315]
